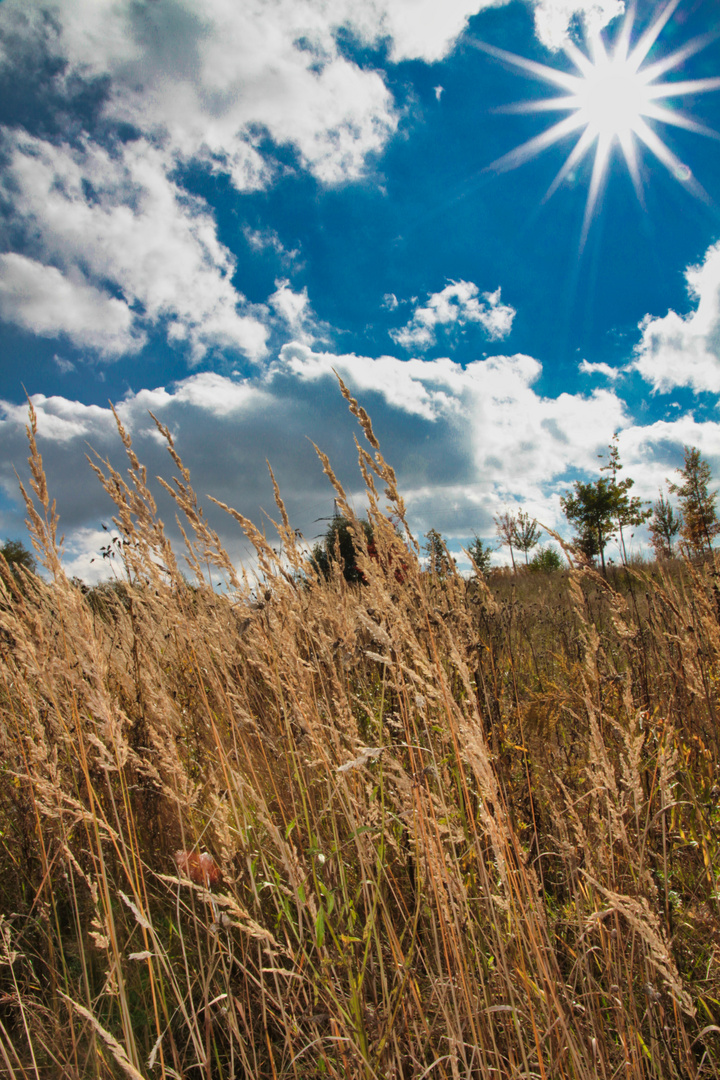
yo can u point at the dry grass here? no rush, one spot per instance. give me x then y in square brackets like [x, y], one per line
[463, 831]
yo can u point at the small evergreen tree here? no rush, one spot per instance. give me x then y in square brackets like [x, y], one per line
[339, 543]
[527, 533]
[438, 560]
[700, 524]
[601, 507]
[664, 527]
[481, 554]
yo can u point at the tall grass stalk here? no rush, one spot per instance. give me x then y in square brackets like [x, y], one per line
[294, 828]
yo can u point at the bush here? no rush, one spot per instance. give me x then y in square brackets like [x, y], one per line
[545, 560]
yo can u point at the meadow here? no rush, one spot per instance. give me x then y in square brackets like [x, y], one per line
[291, 827]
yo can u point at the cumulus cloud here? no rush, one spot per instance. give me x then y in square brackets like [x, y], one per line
[553, 18]
[224, 84]
[41, 299]
[215, 81]
[456, 305]
[678, 350]
[514, 435]
[466, 442]
[98, 222]
[294, 309]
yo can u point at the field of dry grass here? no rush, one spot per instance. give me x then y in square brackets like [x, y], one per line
[296, 828]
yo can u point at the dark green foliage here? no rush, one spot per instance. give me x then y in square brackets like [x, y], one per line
[545, 560]
[601, 508]
[481, 554]
[17, 556]
[339, 543]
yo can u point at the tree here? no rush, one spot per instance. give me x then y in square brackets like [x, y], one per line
[17, 556]
[664, 527]
[505, 527]
[545, 561]
[527, 533]
[629, 511]
[592, 509]
[599, 508]
[700, 523]
[438, 561]
[481, 554]
[340, 543]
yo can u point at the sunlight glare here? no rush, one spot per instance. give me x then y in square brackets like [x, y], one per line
[609, 101]
[612, 98]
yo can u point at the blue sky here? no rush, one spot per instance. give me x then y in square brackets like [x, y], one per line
[203, 211]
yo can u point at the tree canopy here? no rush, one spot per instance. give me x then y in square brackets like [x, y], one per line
[481, 554]
[16, 555]
[664, 527]
[527, 533]
[603, 507]
[700, 524]
[339, 543]
[435, 550]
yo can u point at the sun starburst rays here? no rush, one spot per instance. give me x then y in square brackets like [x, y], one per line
[610, 100]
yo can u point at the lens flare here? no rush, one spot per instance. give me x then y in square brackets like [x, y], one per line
[609, 102]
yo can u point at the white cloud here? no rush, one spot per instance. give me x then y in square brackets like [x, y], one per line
[466, 442]
[293, 308]
[678, 350]
[62, 420]
[456, 304]
[417, 29]
[268, 239]
[586, 368]
[92, 218]
[40, 299]
[213, 79]
[516, 437]
[554, 17]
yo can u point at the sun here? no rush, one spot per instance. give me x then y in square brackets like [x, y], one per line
[609, 103]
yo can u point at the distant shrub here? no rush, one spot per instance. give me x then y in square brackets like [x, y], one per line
[545, 560]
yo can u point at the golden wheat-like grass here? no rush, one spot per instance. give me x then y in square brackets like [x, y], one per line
[416, 828]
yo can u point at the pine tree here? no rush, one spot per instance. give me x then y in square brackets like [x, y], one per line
[480, 554]
[700, 523]
[437, 556]
[16, 555]
[592, 509]
[339, 542]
